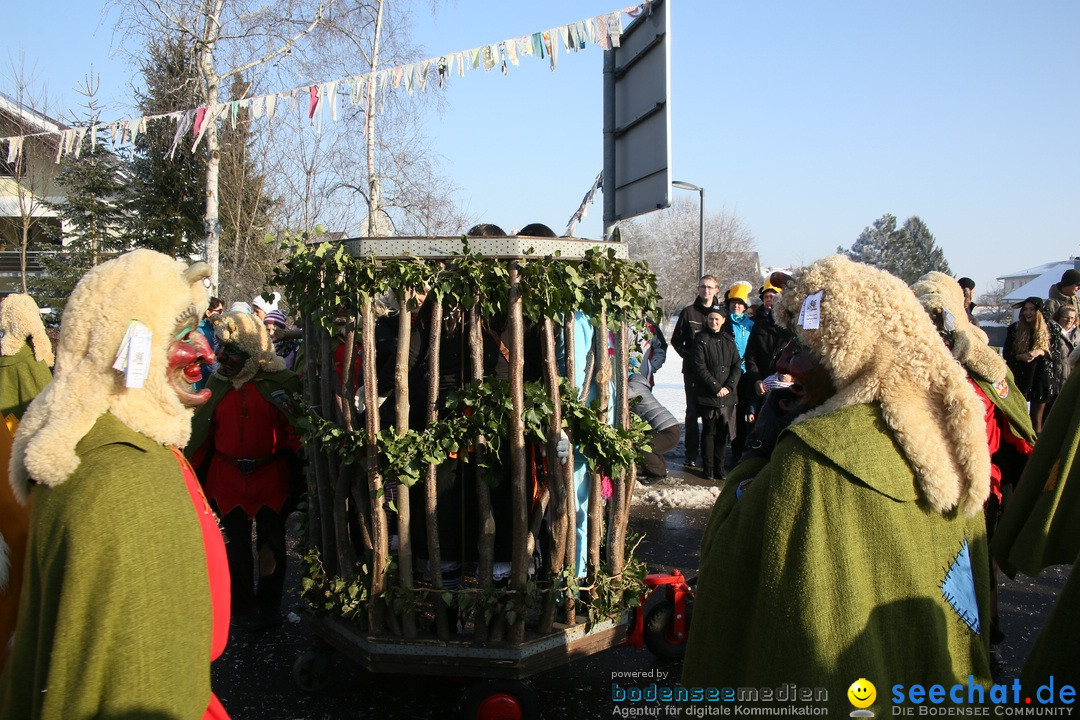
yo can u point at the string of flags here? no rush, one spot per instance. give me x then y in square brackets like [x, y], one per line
[604, 30]
[583, 209]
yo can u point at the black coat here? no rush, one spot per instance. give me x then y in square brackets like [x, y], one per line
[763, 346]
[716, 365]
[691, 321]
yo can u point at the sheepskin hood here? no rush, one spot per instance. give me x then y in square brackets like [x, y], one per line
[879, 345]
[144, 286]
[20, 318]
[943, 297]
[249, 334]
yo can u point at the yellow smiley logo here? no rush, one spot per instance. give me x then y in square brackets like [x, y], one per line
[862, 693]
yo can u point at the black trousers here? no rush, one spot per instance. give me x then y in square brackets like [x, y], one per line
[662, 441]
[713, 442]
[269, 538]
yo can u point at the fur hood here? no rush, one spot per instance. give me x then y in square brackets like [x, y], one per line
[879, 345]
[145, 286]
[20, 318]
[249, 334]
[943, 297]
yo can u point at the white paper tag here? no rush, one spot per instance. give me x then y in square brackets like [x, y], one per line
[138, 366]
[121, 361]
[810, 315]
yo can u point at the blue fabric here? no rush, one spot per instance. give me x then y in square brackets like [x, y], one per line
[740, 330]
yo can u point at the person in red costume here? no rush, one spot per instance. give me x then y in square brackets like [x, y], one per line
[126, 579]
[248, 458]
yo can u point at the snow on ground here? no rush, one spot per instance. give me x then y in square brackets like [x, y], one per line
[673, 492]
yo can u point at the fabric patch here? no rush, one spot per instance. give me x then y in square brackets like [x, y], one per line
[1002, 389]
[741, 488]
[958, 588]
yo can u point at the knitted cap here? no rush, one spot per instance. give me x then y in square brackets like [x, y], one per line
[275, 317]
[266, 303]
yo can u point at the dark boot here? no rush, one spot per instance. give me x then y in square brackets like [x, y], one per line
[269, 596]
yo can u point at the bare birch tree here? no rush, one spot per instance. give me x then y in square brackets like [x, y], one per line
[233, 38]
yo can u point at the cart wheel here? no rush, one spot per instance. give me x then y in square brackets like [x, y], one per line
[498, 700]
[659, 632]
[311, 671]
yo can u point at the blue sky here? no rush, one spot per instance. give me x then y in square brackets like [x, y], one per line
[808, 120]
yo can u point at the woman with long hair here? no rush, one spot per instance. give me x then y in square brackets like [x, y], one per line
[1027, 353]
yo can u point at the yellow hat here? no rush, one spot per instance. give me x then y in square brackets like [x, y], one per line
[739, 291]
[768, 287]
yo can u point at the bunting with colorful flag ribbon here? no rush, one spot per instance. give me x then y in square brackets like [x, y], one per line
[602, 30]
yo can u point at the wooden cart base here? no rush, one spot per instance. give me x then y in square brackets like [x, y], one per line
[462, 658]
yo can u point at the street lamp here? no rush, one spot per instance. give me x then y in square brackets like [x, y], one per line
[701, 222]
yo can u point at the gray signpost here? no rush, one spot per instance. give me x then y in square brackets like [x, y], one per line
[637, 119]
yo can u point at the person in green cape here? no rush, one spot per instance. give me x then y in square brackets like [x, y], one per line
[26, 354]
[1039, 529]
[125, 599]
[849, 544]
[1009, 434]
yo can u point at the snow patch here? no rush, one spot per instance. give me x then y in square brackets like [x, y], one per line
[676, 493]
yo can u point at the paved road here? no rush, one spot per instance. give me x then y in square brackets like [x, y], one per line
[254, 681]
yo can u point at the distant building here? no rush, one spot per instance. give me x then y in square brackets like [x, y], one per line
[1036, 281]
[27, 183]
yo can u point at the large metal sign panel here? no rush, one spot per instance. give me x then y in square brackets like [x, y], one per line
[637, 118]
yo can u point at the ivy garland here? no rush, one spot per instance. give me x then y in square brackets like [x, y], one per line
[325, 282]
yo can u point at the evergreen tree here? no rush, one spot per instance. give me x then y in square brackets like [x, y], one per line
[909, 252]
[924, 255]
[92, 213]
[873, 244]
[169, 193]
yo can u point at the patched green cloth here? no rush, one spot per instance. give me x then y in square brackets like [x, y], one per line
[824, 569]
[1041, 522]
[117, 611]
[22, 377]
[1013, 405]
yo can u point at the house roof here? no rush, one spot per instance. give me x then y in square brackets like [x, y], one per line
[1044, 276]
[35, 121]
[1058, 265]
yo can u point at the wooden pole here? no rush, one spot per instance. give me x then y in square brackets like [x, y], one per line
[442, 627]
[568, 478]
[380, 551]
[483, 492]
[555, 482]
[603, 395]
[519, 501]
[404, 512]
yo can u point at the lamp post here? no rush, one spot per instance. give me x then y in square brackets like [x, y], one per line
[701, 222]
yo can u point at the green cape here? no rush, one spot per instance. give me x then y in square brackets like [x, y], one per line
[22, 377]
[1013, 405]
[825, 569]
[118, 617]
[1040, 522]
